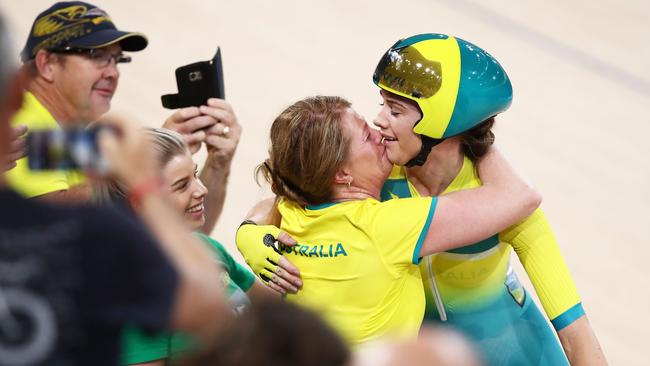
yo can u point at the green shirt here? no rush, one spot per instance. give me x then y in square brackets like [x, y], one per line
[138, 346]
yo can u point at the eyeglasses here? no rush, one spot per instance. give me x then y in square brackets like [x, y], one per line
[100, 57]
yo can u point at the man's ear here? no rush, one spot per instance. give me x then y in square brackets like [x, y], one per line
[45, 64]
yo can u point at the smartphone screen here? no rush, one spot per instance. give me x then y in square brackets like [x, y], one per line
[72, 148]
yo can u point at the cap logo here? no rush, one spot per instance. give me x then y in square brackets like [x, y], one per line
[70, 32]
[76, 24]
[58, 20]
[65, 24]
[98, 16]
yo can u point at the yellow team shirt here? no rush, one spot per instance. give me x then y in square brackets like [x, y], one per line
[359, 264]
[35, 183]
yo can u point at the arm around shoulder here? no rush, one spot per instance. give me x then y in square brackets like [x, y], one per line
[268, 264]
[468, 216]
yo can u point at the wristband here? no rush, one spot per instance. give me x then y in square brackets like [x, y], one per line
[139, 191]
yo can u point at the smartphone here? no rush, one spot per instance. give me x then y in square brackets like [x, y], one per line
[73, 148]
[197, 83]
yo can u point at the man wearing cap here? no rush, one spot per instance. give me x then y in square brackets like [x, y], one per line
[71, 56]
[72, 53]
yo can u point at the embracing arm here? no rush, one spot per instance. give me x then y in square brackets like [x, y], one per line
[268, 264]
[468, 216]
[265, 212]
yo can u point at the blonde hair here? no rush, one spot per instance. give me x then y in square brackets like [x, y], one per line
[166, 143]
[308, 146]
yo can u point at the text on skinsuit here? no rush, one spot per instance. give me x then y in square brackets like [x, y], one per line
[320, 251]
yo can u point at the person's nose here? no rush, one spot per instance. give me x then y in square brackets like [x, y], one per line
[380, 120]
[111, 71]
[200, 190]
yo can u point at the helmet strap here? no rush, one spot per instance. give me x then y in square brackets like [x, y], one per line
[427, 144]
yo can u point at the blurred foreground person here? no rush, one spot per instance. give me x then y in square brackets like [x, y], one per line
[276, 333]
[72, 277]
[436, 346]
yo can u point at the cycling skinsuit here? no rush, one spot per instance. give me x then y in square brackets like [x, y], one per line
[475, 290]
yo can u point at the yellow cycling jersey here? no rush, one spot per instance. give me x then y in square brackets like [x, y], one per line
[35, 183]
[470, 279]
[358, 262]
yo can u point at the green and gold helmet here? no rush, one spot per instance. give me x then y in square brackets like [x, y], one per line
[456, 84]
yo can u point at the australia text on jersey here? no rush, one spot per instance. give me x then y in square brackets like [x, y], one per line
[320, 251]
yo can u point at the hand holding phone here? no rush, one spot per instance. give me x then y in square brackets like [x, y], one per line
[191, 124]
[197, 83]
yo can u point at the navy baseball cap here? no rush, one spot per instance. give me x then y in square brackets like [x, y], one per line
[79, 25]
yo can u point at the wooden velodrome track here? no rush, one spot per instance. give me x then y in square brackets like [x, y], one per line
[578, 126]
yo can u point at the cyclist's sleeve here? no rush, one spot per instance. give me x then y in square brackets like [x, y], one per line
[535, 245]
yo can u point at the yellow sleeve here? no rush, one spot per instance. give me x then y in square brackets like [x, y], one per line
[535, 245]
[401, 226]
[35, 183]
